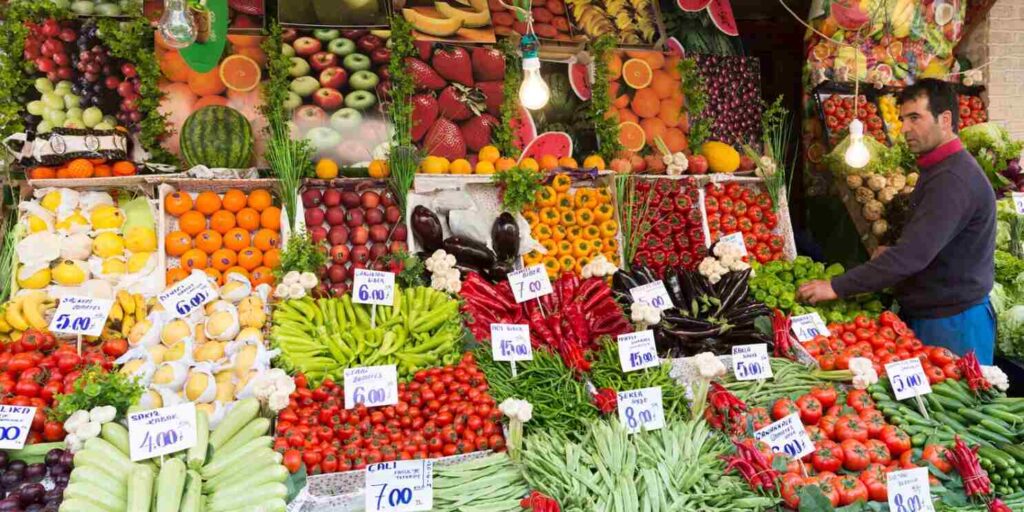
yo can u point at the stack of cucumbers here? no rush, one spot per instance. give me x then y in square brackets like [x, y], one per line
[232, 468]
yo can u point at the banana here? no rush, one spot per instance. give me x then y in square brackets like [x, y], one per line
[14, 316]
[140, 307]
[116, 314]
[126, 301]
[16, 335]
[32, 308]
[126, 325]
[4, 326]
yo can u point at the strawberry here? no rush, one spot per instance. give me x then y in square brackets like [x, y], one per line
[424, 113]
[445, 139]
[453, 63]
[424, 48]
[423, 75]
[494, 96]
[458, 103]
[488, 64]
[477, 131]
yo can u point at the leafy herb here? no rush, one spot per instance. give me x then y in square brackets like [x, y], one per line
[403, 158]
[14, 70]
[696, 102]
[7, 264]
[777, 134]
[301, 255]
[504, 135]
[606, 129]
[412, 271]
[96, 387]
[519, 186]
[636, 217]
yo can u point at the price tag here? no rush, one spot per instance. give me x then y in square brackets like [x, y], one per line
[530, 283]
[15, 423]
[653, 294]
[1018, 202]
[806, 327]
[637, 351]
[511, 342]
[907, 378]
[751, 362]
[81, 315]
[787, 436]
[372, 386]
[161, 431]
[188, 295]
[641, 409]
[400, 486]
[373, 287]
[734, 239]
[909, 491]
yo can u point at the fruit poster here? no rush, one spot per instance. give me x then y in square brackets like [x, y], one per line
[705, 27]
[336, 13]
[647, 101]
[244, 16]
[461, 21]
[550, 21]
[634, 23]
[567, 110]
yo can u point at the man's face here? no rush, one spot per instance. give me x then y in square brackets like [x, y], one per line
[923, 131]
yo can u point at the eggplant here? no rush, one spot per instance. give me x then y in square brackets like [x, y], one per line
[499, 272]
[426, 229]
[469, 252]
[505, 237]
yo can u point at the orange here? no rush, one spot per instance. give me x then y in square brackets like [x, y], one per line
[614, 67]
[173, 66]
[215, 274]
[460, 166]
[259, 199]
[594, 162]
[261, 275]
[221, 221]
[250, 258]
[205, 83]
[621, 101]
[254, 53]
[613, 115]
[236, 239]
[627, 116]
[669, 112]
[207, 202]
[326, 169]
[240, 73]
[236, 270]
[663, 84]
[675, 140]
[244, 41]
[653, 127]
[177, 242]
[271, 218]
[489, 154]
[266, 239]
[548, 162]
[646, 103]
[177, 203]
[211, 99]
[248, 219]
[223, 259]
[504, 163]
[234, 200]
[192, 222]
[102, 171]
[654, 59]
[209, 241]
[175, 274]
[272, 258]
[632, 136]
[529, 163]
[567, 162]
[637, 73]
[672, 67]
[193, 258]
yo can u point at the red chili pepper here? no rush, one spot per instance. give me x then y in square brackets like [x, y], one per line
[971, 370]
[965, 460]
[606, 400]
[783, 338]
[997, 505]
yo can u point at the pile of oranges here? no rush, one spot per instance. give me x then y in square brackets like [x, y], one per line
[490, 161]
[573, 224]
[84, 168]
[647, 100]
[233, 233]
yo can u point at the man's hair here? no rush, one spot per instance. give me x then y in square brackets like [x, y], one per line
[941, 96]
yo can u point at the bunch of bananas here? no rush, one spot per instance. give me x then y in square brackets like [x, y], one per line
[902, 17]
[129, 309]
[891, 115]
[27, 310]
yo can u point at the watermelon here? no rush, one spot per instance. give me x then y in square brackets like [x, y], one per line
[692, 5]
[524, 130]
[579, 80]
[721, 15]
[675, 47]
[217, 136]
[558, 144]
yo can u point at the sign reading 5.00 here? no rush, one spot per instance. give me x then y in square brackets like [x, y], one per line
[787, 436]
[188, 295]
[372, 386]
[161, 431]
[907, 378]
[15, 423]
[81, 315]
[529, 283]
[653, 294]
[400, 486]
[373, 287]
[751, 362]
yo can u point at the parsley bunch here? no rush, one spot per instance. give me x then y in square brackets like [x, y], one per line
[96, 387]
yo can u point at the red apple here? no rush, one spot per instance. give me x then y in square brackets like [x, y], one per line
[354, 33]
[317, 234]
[354, 218]
[306, 46]
[398, 246]
[336, 273]
[339, 289]
[358, 265]
[334, 77]
[377, 250]
[349, 199]
[335, 216]
[369, 199]
[747, 163]
[368, 43]
[311, 198]
[320, 61]
[339, 254]
[332, 197]
[399, 233]
[359, 255]
[378, 233]
[697, 164]
[328, 99]
[289, 34]
[387, 198]
[359, 235]
[380, 55]
[309, 116]
[379, 265]
[392, 214]
[374, 216]
[337, 235]
[314, 217]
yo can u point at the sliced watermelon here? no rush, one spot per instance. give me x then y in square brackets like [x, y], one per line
[558, 144]
[250, 7]
[579, 80]
[721, 15]
[675, 47]
[692, 5]
[524, 129]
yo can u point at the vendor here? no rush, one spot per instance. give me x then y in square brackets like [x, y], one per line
[941, 268]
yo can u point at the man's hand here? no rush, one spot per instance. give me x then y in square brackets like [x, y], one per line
[816, 291]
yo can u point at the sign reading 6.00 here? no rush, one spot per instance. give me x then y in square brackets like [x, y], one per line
[188, 295]
[80, 315]
[372, 386]
[15, 423]
[373, 287]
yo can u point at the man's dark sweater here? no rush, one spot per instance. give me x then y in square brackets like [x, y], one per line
[942, 263]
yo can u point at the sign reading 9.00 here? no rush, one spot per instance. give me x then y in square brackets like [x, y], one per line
[188, 294]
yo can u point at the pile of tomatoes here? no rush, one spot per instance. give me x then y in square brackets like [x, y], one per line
[734, 208]
[839, 112]
[882, 341]
[854, 447]
[972, 111]
[440, 412]
[36, 368]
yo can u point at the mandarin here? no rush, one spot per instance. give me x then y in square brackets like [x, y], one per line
[177, 203]
[175, 274]
[262, 275]
[272, 258]
[248, 218]
[177, 242]
[259, 199]
[194, 259]
[250, 258]
[271, 218]
[209, 241]
[236, 239]
[222, 221]
[234, 200]
[223, 259]
[207, 202]
[192, 222]
[266, 239]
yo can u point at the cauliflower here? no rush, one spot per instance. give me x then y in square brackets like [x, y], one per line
[996, 377]
[854, 181]
[887, 194]
[872, 210]
[897, 181]
[709, 366]
[76, 420]
[675, 164]
[879, 227]
[598, 267]
[645, 314]
[516, 409]
[864, 373]
[308, 280]
[712, 269]
[863, 195]
[876, 182]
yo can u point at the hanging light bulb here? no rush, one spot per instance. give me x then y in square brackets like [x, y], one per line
[176, 25]
[533, 92]
[857, 154]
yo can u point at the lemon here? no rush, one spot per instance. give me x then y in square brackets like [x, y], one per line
[108, 244]
[38, 279]
[140, 239]
[50, 201]
[106, 217]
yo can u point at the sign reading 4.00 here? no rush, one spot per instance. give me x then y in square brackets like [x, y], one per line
[161, 431]
[373, 287]
[188, 295]
[81, 315]
[530, 283]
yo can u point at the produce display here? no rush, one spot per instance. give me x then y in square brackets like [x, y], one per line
[732, 84]
[775, 283]
[676, 234]
[84, 168]
[631, 23]
[548, 15]
[972, 111]
[839, 111]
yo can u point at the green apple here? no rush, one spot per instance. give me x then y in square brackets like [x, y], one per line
[299, 67]
[356, 62]
[304, 85]
[287, 50]
[360, 100]
[363, 80]
[92, 117]
[323, 138]
[341, 47]
[346, 119]
[292, 101]
[326, 34]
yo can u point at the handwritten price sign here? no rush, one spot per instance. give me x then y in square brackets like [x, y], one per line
[511, 342]
[1018, 202]
[641, 409]
[188, 295]
[373, 287]
[750, 362]
[400, 486]
[372, 386]
[637, 351]
[787, 436]
[15, 423]
[734, 239]
[653, 294]
[806, 327]
[81, 315]
[161, 431]
[909, 491]
[529, 283]
[907, 378]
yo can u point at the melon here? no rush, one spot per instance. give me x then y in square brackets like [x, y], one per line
[721, 15]
[469, 19]
[849, 15]
[558, 144]
[675, 47]
[524, 129]
[692, 5]
[217, 136]
[579, 80]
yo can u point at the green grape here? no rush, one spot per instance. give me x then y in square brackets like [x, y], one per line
[74, 123]
[103, 126]
[74, 113]
[53, 100]
[43, 85]
[56, 117]
[43, 127]
[92, 116]
[71, 101]
[36, 107]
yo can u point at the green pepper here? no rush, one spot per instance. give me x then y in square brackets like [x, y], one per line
[786, 277]
[771, 302]
[786, 302]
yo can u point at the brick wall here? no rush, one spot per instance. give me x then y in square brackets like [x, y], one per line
[1001, 37]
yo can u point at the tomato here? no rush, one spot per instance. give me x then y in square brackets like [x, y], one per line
[810, 409]
[292, 460]
[878, 452]
[877, 490]
[827, 457]
[907, 460]
[27, 388]
[783, 407]
[855, 455]
[897, 441]
[851, 427]
[936, 454]
[791, 485]
[828, 426]
[859, 399]
[828, 488]
[851, 490]
[935, 374]
[53, 431]
[815, 433]
[874, 420]
[115, 347]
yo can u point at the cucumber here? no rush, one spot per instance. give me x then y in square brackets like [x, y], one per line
[987, 435]
[947, 419]
[997, 427]
[197, 454]
[192, 500]
[255, 428]
[94, 494]
[140, 488]
[994, 455]
[222, 502]
[1002, 414]
[241, 414]
[33, 453]
[93, 475]
[116, 435]
[169, 485]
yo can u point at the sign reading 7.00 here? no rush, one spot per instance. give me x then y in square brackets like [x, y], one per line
[530, 283]
[188, 295]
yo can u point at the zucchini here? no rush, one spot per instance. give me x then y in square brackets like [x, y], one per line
[140, 488]
[230, 478]
[93, 475]
[269, 474]
[270, 506]
[100, 461]
[169, 485]
[95, 494]
[197, 454]
[219, 462]
[255, 428]
[192, 500]
[241, 414]
[70, 504]
[113, 453]
[117, 436]
[222, 502]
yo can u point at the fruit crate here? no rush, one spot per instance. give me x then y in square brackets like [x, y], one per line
[551, 21]
[334, 13]
[641, 27]
[826, 93]
[250, 241]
